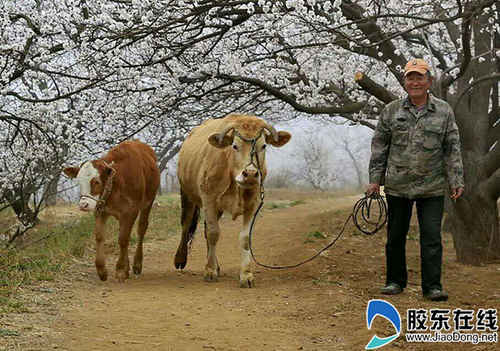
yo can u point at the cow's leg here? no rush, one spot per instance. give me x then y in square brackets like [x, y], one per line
[122, 266]
[100, 238]
[212, 233]
[141, 230]
[246, 275]
[189, 221]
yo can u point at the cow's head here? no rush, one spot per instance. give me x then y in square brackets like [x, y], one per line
[92, 177]
[247, 141]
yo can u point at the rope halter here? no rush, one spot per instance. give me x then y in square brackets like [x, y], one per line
[101, 200]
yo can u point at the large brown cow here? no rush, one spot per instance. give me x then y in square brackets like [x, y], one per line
[219, 171]
[121, 184]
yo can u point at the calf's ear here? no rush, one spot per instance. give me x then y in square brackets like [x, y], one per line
[216, 140]
[71, 172]
[283, 138]
[109, 168]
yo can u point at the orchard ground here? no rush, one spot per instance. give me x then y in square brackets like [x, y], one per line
[318, 306]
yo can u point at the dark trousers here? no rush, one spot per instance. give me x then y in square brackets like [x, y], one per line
[430, 214]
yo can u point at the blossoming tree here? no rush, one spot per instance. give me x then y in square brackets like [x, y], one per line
[87, 74]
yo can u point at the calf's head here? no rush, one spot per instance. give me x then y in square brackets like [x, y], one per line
[246, 144]
[92, 177]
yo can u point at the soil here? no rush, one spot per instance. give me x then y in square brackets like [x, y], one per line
[318, 306]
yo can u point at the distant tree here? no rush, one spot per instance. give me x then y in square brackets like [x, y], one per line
[355, 147]
[281, 178]
[314, 162]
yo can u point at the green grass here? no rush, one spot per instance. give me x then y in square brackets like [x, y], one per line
[321, 281]
[45, 255]
[7, 332]
[283, 204]
[313, 236]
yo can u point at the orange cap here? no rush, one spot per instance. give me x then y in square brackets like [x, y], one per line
[416, 65]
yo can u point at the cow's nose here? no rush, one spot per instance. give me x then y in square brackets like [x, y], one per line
[84, 205]
[250, 173]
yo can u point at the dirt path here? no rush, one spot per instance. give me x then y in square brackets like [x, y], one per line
[319, 306]
[169, 310]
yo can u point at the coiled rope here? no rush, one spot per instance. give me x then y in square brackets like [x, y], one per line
[360, 216]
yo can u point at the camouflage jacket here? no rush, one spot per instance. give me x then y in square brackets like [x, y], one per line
[416, 152]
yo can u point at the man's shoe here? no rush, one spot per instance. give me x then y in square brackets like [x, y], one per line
[436, 295]
[391, 289]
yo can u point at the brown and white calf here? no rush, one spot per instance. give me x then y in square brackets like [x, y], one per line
[221, 166]
[122, 184]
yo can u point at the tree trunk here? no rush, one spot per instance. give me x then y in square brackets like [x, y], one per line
[475, 237]
[19, 203]
[50, 191]
[355, 164]
[474, 219]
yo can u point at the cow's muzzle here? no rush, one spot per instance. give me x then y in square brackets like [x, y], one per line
[87, 203]
[249, 177]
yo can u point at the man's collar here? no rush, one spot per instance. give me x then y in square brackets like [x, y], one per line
[431, 104]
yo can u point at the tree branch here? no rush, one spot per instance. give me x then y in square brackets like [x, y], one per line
[328, 110]
[373, 88]
[493, 76]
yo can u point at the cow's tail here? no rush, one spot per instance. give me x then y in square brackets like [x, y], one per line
[193, 221]
[193, 225]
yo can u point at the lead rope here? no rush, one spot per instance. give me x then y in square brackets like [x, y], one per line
[362, 207]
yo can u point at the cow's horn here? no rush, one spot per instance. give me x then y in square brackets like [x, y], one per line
[273, 131]
[221, 135]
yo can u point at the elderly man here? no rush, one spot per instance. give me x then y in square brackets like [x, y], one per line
[415, 154]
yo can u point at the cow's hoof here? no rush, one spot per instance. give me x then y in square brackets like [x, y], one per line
[247, 281]
[137, 269]
[121, 276]
[103, 274]
[180, 261]
[180, 265]
[210, 277]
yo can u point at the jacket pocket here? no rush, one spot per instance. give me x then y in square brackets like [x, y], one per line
[400, 137]
[432, 137]
[397, 177]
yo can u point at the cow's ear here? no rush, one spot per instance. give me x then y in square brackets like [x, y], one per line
[283, 138]
[71, 172]
[109, 167]
[105, 169]
[216, 141]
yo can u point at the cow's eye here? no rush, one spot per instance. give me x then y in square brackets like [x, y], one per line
[264, 146]
[235, 147]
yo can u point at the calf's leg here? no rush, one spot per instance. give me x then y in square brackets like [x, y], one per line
[100, 238]
[123, 266]
[141, 231]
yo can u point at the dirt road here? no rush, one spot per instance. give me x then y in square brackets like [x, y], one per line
[319, 306]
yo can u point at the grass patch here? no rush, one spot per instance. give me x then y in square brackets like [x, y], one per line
[7, 332]
[313, 236]
[40, 257]
[283, 204]
[320, 281]
[165, 219]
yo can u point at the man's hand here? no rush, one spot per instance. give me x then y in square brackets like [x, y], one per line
[456, 193]
[372, 188]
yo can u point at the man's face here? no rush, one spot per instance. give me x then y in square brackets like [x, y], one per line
[417, 84]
